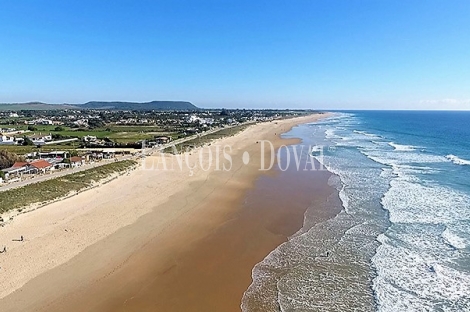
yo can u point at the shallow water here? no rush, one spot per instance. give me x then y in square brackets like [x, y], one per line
[401, 242]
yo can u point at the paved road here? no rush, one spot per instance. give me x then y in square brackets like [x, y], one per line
[62, 173]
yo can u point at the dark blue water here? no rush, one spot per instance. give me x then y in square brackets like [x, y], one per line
[402, 241]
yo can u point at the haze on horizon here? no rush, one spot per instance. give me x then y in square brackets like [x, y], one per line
[249, 54]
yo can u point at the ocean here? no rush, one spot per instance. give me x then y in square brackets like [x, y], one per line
[402, 239]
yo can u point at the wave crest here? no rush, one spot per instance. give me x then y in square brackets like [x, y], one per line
[457, 160]
[402, 148]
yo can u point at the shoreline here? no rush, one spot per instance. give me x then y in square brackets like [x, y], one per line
[126, 244]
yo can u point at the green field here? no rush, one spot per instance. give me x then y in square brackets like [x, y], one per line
[119, 128]
[55, 188]
[43, 128]
[116, 133]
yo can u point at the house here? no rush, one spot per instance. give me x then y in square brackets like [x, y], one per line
[39, 122]
[89, 138]
[16, 171]
[59, 155]
[23, 166]
[162, 139]
[98, 154]
[76, 161]
[81, 122]
[39, 139]
[46, 122]
[193, 119]
[20, 164]
[12, 174]
[41, 166]
[7, 139]
[109, 154]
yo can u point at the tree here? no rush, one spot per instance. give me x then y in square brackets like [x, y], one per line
[27, 141]
[224, 112]
[59, 128]
[95, 123]
[58, 136]
[32, 128]
[7, 159]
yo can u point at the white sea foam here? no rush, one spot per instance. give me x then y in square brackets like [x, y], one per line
[413, 263]
[457, 160]
[367, 134]
[412, 202]
[390, 158]
[409, 280]
[330, 133]
[402, 148]
[454, 239]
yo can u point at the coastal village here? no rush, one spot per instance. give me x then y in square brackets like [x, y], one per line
[38, 143]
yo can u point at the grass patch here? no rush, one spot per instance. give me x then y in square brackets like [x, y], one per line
[205, 139]
[116, 128]
[58, 187]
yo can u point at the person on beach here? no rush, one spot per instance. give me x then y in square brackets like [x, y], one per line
[4, 249]
[21, 239]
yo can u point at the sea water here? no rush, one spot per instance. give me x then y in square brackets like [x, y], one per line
[402, 239]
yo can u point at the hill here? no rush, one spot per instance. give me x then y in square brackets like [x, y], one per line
[154, 105]
[33, 106]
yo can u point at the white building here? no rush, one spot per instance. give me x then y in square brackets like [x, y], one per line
[89, 138]
[40, 139]
[46, 122]
[39, 122]
[7, 140]
[81, 122]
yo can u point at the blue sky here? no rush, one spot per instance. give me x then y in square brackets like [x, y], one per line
[369, 54]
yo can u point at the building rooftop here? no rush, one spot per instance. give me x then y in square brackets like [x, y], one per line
[40, 164]
[76, 159]
[19, 164]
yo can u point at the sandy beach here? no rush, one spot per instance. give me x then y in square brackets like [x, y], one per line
[160, 240]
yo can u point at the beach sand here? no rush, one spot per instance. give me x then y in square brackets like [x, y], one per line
[156, 240]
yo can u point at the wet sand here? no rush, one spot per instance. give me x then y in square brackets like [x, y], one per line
[213, 272]
[198, 260]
